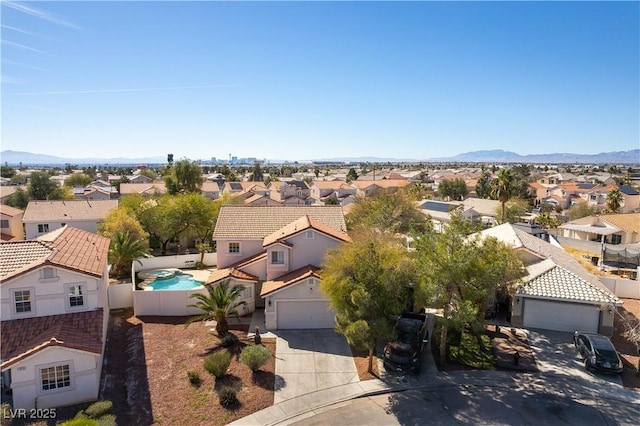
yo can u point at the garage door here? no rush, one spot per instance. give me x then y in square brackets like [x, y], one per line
[560, 316]
[304, 314]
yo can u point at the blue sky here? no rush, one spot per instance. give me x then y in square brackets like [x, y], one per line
[310, 80]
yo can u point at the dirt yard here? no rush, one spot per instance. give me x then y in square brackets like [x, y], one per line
[148, 361]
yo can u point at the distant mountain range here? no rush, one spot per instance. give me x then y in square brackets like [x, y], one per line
[487, 156]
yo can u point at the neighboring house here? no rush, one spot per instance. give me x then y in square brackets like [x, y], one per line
[597, 197]
[145, 189]
[342, 192]
[557, 293]
[473, 209]
[275, 253]
[293, 192]
[11, 228]
[41, 217]
[210, 189]
[96, 192]
[6, 191]
[368, 188]
[54, 318]
[139, 179]
[613, 228]
[236, 188]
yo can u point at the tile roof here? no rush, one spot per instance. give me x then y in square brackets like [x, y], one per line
[234, 270]
[9, 211]
[289, 279]
[629, 222]
[257, 222]
[68, 210]
[22, 338]
[303, 223]
[521, 240]
[143, 188]
[67, 247]
[560, 283]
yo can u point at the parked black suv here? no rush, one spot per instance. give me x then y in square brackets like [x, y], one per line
[598, 352]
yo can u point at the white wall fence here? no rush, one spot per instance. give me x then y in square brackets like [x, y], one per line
[166, 303]
[120, 296]
[627, 289]
[177, 261]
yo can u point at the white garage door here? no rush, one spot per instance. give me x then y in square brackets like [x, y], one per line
[304, 314]
[560, 316]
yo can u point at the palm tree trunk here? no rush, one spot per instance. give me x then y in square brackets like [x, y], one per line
[443, 344]
[504, 210]
[370, 368]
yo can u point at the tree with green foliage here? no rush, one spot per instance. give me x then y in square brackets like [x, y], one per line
[123, 250]
[184, 176]
[483, 188]
[367, 281]
[502, 190]
[202, 214]
[41, 187]
[7, 171]
[257, 174]
[78, 180]
[459, 272]
[453, 189]
[581, 210]
[392, 212]
[614, 200]
[351, 175]
[221, 302]
[19, 199]
[514, 209]
[121, 220]
[546, 221]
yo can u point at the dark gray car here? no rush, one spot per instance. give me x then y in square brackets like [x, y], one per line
[598, 352]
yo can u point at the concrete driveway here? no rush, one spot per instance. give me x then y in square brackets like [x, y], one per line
[311, 360]
[555, 354]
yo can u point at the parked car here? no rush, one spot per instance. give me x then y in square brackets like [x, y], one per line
[598, 352]
[405, 352]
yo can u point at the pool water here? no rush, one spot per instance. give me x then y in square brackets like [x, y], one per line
[178, 282]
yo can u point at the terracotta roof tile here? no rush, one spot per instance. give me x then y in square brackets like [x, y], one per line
[68, 247]
[9, 211]
[23, 337]
[234, 270]
[257, 222]
[290, 278]
[68, 210]
[302, 224]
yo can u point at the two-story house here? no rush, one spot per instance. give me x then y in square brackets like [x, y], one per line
[41, 217]
[291, 193]
[322, 191]
[11, 223]
[144, 189]
[53, 295]
[276, 254]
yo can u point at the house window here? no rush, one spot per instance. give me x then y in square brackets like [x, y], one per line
[247, 294]
[75, 296]
[48, 273]
[22, 300]
[43, 227]
[310, 235]
[277, 257]
[592, 197]
[55, 377]
[616, 239]
[234, 247]
[4, 223]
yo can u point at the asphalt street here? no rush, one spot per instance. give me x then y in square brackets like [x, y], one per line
[491, 398]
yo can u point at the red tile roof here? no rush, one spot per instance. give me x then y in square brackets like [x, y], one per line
[233, 270]
[9, 211]
[289, 279]
[22, 338]
[68, 247]
[303, 223]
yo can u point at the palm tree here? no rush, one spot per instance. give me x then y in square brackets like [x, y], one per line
[123, 250]
[218, 305]
[502, 188]
[614, 200]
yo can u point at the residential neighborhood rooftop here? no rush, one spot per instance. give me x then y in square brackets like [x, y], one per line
[68, 210]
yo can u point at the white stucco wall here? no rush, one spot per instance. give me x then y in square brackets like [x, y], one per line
[248, 248]
[308, 289]
[49, 296]
[31, 228]
[26, 382]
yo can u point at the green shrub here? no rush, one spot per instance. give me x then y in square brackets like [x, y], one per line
[5, 419]
[218, 363]
[255, 356]
[80, 421]
[200, 265]
[98, 409]
[228, 397]
[194, 377]
[228, 340]
[107, 420]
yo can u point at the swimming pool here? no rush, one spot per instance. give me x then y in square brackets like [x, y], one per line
[177, 282]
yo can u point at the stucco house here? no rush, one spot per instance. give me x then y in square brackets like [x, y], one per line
[342, 192]
[54, 316]
[291, 193]
[41, 217]
[612, 228]
[11, 223]
[276, 253]
[557, 293]
[145, 189]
